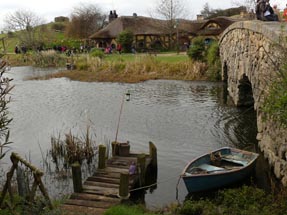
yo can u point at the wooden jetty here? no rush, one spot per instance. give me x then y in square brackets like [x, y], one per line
[111, 183]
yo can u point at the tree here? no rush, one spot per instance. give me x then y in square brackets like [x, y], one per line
[206, 11]
[27, 24]
[5, 88]
[125, 38]
[86, 19]
[172, 11]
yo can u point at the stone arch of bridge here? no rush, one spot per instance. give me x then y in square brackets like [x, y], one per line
[245, 92]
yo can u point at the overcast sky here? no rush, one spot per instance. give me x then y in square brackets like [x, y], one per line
[48, 9]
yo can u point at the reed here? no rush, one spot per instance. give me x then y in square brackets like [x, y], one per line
[49, 58]
[73, 149]
[141, 68]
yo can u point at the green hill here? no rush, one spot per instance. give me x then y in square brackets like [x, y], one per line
[49, 35]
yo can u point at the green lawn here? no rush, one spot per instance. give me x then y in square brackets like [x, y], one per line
[170, 57]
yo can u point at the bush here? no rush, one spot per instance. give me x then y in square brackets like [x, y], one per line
[97, 53]
[197, 49]
[125, 38]
[239, 201]
[213, 61]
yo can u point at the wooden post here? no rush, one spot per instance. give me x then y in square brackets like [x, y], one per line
[102, 157]
[7, 186]
[141, 162]
[124, 186]
[115, 148]
[77, 177]
[21, 182]
[153, 155]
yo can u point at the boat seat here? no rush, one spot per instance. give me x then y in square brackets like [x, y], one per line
[210, 168]
[238, 162]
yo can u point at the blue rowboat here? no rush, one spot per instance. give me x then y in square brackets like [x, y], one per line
[219, 168]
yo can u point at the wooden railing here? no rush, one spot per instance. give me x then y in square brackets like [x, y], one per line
[37, 174]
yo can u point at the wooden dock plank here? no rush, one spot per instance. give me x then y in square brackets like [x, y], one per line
[101, 184]
[113, 169]
[111, 192]
[104, 179]
[108, 174]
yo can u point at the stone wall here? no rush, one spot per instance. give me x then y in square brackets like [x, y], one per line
[251, 54]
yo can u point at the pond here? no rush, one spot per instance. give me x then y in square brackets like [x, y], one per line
[183, 118]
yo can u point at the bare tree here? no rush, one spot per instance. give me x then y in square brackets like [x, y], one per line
[26, 22]
[5, 88]
[171, 9]
[85, 20]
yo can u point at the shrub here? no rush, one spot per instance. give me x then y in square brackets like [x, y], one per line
[97, 53]
[125, 38]
[213, 61]
[239, 201]
[197, 49]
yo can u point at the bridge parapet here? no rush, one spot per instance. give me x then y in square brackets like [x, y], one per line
[251, 54]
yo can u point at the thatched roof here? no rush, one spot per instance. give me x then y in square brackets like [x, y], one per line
[223, 22]
[140, 25]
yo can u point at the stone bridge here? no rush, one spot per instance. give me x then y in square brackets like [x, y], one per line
[251, 54]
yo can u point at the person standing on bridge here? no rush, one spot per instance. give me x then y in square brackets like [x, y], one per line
[264, 11]
[277, 12]
[285, 14]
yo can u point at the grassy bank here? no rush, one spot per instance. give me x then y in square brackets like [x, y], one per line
[134, 68]
[237, 201]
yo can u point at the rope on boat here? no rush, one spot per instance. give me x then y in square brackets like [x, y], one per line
[157, 183]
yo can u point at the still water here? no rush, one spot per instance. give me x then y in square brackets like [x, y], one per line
[183, 118]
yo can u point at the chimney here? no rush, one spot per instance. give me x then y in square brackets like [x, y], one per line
[113, 15]
[199, 17]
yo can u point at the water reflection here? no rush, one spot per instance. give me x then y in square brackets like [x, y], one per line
[183, 118]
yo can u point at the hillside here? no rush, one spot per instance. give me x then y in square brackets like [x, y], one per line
[51, 34]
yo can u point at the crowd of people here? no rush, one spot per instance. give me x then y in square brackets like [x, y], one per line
[266, 12]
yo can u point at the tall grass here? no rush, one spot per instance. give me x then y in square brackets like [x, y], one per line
[73, 148]
[141, 68]
[48, 58]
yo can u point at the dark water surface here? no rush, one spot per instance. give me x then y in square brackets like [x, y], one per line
[183, 118]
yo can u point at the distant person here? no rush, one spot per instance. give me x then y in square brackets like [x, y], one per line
[269, 13]
[132, 168]
[285, 14]
[119, 48]
[264, 11]
[277, 12]
[17, 50]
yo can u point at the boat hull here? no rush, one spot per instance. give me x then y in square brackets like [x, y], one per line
[218, 178]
